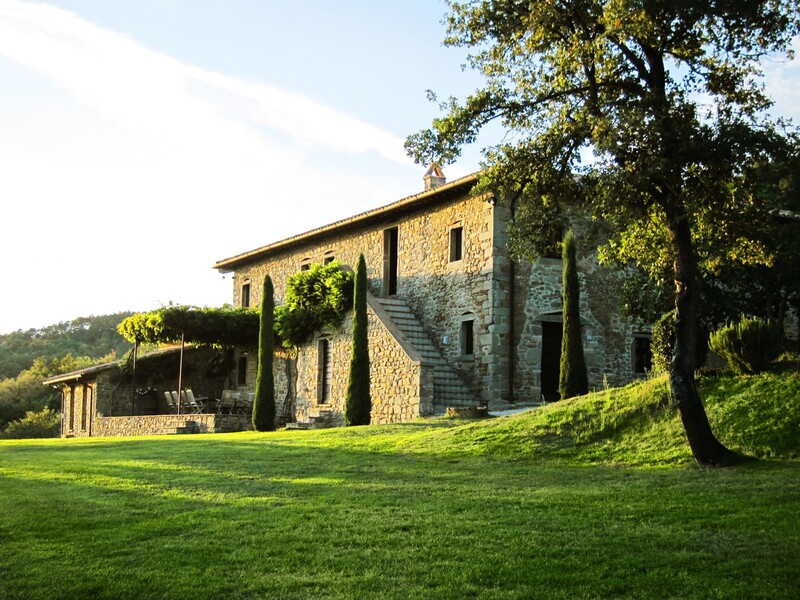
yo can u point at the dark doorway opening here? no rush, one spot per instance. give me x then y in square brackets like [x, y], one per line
[390, 261]
[551, 360]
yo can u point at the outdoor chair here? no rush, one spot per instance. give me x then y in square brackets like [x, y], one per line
[170, 402]
[192, 403]
[175, 401]
[245, 403]
[227, 404]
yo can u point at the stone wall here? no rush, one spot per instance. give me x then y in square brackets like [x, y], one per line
[401, 384]
[78, 405]
[169, 424]
[505, 300]
[607, 337]
[442, 293]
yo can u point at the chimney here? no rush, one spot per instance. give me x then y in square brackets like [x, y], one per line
[434, 177]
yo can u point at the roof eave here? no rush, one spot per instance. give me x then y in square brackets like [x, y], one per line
[228, 265]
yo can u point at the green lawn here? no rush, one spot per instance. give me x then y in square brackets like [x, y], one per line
[433, 509]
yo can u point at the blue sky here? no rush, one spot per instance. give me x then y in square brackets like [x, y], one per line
[141, 141]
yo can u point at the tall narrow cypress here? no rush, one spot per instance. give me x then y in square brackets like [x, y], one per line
[573, 380]
[358, 403]
[264, 401]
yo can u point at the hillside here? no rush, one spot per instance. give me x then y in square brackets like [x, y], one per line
[634, 425]
[92, 337]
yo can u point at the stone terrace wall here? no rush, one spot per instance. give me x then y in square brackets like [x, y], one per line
[167, 424]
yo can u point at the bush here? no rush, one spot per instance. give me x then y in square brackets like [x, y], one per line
[358, 403]
[573, 379]
[316, 299]
[662, 343]
[264, 402]
[44, 424]
[748, 346]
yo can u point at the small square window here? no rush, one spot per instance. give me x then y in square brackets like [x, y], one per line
[456, 244]
[328, 260]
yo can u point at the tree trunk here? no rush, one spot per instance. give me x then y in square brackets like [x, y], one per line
[706, 448]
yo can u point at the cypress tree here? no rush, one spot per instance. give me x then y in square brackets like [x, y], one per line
[264, 401]
[572, 377]
[358, 403]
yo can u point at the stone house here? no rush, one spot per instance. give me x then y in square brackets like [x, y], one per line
[454, 320]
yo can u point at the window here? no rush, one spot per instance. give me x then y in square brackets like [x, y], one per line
[241, 372]
[390, 241]
[328, 259]
[305, 265]
[642, 355]
[246, 295]
[467, 337]
[323, 371]
[456, 244]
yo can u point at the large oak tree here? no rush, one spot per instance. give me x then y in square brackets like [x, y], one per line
[665, 95]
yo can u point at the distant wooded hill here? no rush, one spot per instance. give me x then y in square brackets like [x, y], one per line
[93, 337]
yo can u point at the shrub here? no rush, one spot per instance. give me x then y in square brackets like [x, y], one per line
[748, 346]
[316, 299]
[573, 380]
[43, 424]
[358, 403]
[264, 401]
[662, 343]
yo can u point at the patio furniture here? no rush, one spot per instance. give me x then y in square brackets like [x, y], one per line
[244, 405]
[170, 402]
[227, 404]
[193, 405]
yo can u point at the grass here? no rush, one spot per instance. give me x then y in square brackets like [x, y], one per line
[591, 498]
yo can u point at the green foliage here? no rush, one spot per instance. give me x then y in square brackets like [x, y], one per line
[666, 96]
[316, 299]
[662, 343]
[25, 392]
[213, 326]
[264, 401]
[573, 380]
[759, 414]
[43, 424]
[748, 346]
[95, 337]
[358, 403]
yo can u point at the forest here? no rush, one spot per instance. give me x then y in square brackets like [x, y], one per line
[29, 357]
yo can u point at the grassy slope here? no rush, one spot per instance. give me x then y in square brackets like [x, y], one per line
[514, 507]
[634, 426]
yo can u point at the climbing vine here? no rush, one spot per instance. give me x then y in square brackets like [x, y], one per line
[316, 299]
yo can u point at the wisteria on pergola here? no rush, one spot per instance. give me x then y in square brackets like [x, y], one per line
[221, 327]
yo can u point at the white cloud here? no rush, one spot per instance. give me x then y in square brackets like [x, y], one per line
[142, 171]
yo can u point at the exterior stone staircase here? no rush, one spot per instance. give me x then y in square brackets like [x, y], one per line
[448, 387]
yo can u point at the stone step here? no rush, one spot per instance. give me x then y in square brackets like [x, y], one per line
[448, 387]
